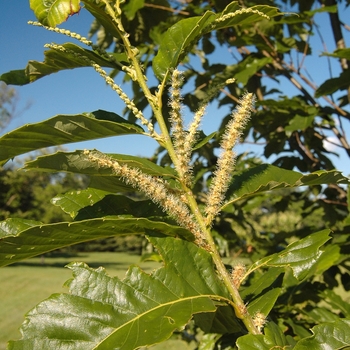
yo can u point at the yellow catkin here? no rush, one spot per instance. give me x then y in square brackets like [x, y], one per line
[237, 274]
[226, 160]
[230, 15]
[153, 188]
[259, 321]
[191, 135]
[182, 147]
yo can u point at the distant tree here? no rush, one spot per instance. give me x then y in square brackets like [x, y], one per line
[7, 104]
[27, 195]
[284, 225]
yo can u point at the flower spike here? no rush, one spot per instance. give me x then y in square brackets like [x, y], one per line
[226, 161]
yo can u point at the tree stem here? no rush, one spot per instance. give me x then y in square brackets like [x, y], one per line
[155, 103]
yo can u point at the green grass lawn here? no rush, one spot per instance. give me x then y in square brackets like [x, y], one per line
[26, 284]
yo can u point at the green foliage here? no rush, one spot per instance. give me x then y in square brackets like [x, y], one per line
[65, 129]
[190, 203]
[27, 195]
[53, 12]
[187, 294]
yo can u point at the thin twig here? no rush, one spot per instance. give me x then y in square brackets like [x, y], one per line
[160, 7]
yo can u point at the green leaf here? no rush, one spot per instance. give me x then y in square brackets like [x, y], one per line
[330, 257]
[301, 256]
[132, 7]
[298, 329]
[321, 315]
[252, 342]
[21, 239]
[69, 57]
[180, 38]
[334, 84]
[264, 303]
[54, 12]
[299, 122]
[79, 162]
[261, 178]
[273, 339]
[234, 14]
[329, 9]
[74, 201]
[262, 294]
[110, 184]
[340, 53]
[330, 335]
[249, 67]
[107, 313]
[97, 9]
[274, 336]
[223, 321]
[63, 129]
[266, 177]
[265, 281]
[177, 41]
[203, 140]
[208, 341]
[323, 177]
[15, 77]
[92, 203]
[336, 302]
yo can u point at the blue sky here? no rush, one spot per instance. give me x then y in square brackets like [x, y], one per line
[66, 92]
[83, 90]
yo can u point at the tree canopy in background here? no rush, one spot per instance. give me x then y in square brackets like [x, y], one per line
[284, 225]
[27, 195]
[7, 104]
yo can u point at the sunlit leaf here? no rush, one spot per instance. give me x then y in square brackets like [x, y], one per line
[73, 201]
[340, 53]
[132, 7]
[334, 84]
[266, 281]
[274, 336]
[208, 341]
[301, 256]
[330, 257]
[249, 67]
[108, 313]
[330, 9]
[299, 122]
[336, 302]
[203, 140]
[265, 302]
[110, 184]
[97, 9]
[63, 129]
[54, 12]
[69, 57]
[332, 335]
[320, 315]
[262, 294]
[272, 339]
[252, 342]
[323, 177]
[79, 162]
[266, 177]
[21, 239]
[177, 41]
[15, 77]
[180, 38]
[93, 203]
